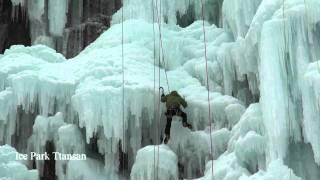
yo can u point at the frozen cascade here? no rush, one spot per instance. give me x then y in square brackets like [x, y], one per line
[238, 15]
[38, 82]
[284, 60]
[240, 59]
[44, 130]
[36, 9]
[90, 169]
[65, 25]
[18, 2]
[193, 148]
[57, 15]
[7, 116]
[311, 99]
[264, 93]
[38, 25]
[250, 151]
[167, 11]
[276, 170]
[18, 9]
[69, 140]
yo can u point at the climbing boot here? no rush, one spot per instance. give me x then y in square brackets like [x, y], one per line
[185, 124]
[166, 139]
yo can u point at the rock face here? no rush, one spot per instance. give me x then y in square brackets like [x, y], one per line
[38, 22]
[95, 17]
[12, 30]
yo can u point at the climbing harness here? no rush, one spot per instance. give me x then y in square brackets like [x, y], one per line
[171, 111]
[207, 79]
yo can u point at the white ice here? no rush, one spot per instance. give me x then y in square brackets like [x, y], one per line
[12, 169]
[267, 51]
[148, 165]
[57, 15]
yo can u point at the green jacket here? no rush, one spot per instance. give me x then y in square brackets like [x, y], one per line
[173, 100]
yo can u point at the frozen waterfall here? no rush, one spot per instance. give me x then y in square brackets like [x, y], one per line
[264, 92]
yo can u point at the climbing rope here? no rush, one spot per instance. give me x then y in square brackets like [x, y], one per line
[158, 118]
[159, 84]
[288, 98]
[154, 93]
[207, 78]
[154, 84]
[161, 51]
[123, 109]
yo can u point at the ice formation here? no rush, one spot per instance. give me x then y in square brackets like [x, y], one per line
[263, 92]
[168, 11]
[275, 170]
[65, 25]
[148, 166]
[90, 169]
[57, 15]
[10, 168]
[311, 99]
[18, 2]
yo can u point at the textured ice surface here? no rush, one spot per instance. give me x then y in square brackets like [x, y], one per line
[148, 166]
[266, 52]
[89, 169]
[89, 88]
[238, 15]
[275, 170]
[224, 170]
[69, 140]
[165, 11]
[11, 169]
[17, 2]
[45, 129]
[57, 15]
[36, 9]
[284, 60]
[311, 107]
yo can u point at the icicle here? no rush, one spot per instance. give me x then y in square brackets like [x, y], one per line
[57, 15]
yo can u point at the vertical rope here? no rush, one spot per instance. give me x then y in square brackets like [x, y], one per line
[288, 98]
[154, 85]
[154, 90]
[159, 118]
[123, 109]
[161, 51]
[161, 54]
[207, 79]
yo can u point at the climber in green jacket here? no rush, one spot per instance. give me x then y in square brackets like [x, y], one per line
[173, 102]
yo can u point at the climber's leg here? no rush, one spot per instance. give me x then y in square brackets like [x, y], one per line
[184, 119]
[168, 127]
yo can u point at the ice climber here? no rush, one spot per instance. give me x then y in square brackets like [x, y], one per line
[173, 102]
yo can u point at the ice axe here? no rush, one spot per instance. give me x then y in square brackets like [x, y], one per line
[161, 89]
